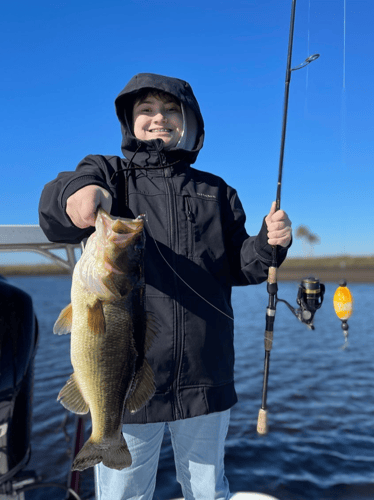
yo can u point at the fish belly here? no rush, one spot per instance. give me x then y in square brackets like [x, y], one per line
[104, 364]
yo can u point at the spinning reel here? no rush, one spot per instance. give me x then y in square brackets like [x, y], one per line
[309, 298]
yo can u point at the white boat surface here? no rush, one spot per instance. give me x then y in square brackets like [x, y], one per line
[246, 495]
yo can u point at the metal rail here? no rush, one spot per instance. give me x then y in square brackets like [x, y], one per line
[30, 238]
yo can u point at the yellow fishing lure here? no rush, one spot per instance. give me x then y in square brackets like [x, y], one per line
[343, 302]
[343, 305]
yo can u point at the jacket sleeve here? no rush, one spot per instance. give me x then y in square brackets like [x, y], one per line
[53, 218]
[250, 256]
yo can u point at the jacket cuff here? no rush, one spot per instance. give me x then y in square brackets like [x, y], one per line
[79, 183]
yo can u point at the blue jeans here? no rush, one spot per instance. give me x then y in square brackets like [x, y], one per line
[198, 445]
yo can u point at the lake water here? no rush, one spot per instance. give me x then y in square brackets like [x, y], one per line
[320, 399]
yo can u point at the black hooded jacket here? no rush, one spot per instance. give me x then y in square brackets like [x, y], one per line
[195, 237]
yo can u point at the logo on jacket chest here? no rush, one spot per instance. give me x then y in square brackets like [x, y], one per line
[207, 195]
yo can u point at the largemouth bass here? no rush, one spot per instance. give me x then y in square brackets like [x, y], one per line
[109, 338]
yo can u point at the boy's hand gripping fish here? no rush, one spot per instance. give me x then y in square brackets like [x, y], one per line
[109, 338]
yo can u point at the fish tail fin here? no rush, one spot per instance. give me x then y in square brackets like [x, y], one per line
[117, 456]
[114, 456]
[89, 455]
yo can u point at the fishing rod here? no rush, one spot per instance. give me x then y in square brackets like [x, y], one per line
[310, 294]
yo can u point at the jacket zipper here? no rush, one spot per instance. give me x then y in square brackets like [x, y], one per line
[178, 308]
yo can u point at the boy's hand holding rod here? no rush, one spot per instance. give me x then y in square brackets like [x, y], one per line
[279, 227]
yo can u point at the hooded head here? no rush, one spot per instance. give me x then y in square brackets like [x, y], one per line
[158, 115]
[190, 130]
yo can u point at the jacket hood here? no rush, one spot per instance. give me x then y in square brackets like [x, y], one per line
[152, 153]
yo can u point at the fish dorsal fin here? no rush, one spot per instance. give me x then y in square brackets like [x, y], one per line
[71, 397]
[143, 388]
[151, 331]
[96, 319]
[64, 321]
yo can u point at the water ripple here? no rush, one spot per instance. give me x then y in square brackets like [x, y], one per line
[321, 400]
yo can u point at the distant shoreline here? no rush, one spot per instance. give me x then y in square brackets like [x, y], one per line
[328, 275]
[333, 269]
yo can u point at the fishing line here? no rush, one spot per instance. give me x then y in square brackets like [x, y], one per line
[344, 127]
[180, 277]
[308, 52]
[344, 97]
[344, 33]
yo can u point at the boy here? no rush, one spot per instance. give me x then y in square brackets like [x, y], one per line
[196, 241]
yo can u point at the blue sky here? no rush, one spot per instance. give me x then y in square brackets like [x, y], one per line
[64, 62]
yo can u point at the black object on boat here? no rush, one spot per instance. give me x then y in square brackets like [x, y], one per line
[18, 343]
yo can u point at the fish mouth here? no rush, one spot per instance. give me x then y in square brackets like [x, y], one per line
[118, 231]
[122, 236]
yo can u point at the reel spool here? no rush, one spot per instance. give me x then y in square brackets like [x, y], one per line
[309, 298]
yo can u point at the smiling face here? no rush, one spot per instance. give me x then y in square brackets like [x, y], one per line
[158, 117]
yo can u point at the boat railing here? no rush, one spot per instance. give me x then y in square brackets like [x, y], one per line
[30, 238]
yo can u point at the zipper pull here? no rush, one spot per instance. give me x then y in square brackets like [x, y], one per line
[190, 215]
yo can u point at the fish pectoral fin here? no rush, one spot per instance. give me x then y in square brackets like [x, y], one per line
[96, 319]
[71, 397]
[143, 388]
[64, 321]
